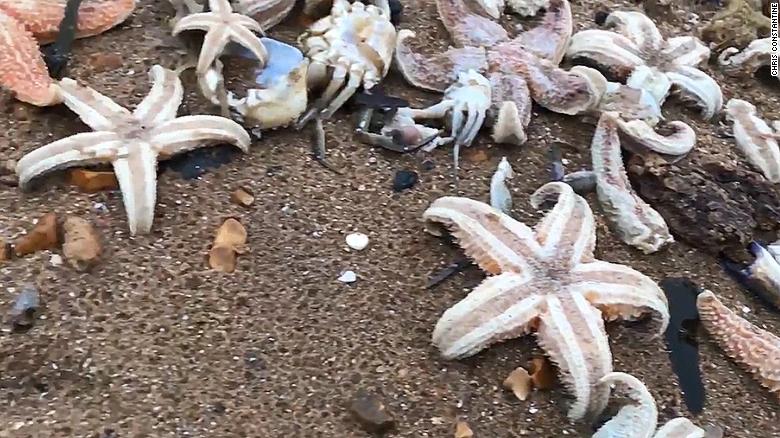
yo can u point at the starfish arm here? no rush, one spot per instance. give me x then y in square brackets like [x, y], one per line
[631, 103]
[550, 38]
[204, 21]
[43, 17]
[220, 7]
[189, 132]
[551, 87]
[652, 80]
[466, 28]
[136, 173]
[567, 231]
[609, 50]
[77, 150]
[679, 142]
[22, 69]
[754, 138]
[637, 27]
[213, 45]
[635, 421]
[162, 102]
[96, 110]
[435, 72]
[495, 241]
[755, 349]
[511, 108]
[500, 308]
[755, 55]
[619, 291]
[571, 332]
[686, 50]
[251, 41]
[680, 428]
[696, 84]
[247, 23]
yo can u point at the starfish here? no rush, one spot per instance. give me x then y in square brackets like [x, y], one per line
[222, 26]
[26, 23]
[636, 51]
[755, 349]
[640, 420]
[132, 142]
[545, 279]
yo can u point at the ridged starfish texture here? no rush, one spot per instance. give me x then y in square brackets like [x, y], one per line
[636, 51]
[755, 349]
[545, 279]
[131, 142]
[26, 23]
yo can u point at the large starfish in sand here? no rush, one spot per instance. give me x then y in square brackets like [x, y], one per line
[132, 142]
[545, 279]
[26, 23]
[755, 349]
[520, 69]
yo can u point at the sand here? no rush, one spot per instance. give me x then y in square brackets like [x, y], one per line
[153, 343]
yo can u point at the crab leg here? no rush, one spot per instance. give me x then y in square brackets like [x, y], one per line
[355, 78]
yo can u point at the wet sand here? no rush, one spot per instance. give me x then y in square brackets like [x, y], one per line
[153, 343]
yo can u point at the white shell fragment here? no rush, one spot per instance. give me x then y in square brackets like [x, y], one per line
[348, 277]
[357, 241]
[636, 223]
[500, 197]
[755, 138]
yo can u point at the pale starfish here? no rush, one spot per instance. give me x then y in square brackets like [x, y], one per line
[26, 23]
[637, 52]
[132, 142]
[640, 420]
[545, 279]
[755, 349]
[222, 26]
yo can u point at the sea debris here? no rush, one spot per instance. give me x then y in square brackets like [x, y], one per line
[44, 236]
[755, 138]
[404, 179]
[519, 382]
[347, 277]
[462, 430]
[331, 44]
[229, 242]
[57, 54]
[222, 26]
[681, 339]
[634, 51]
[277, 95]
[371, 412]
[500, 196]
[91, 181]
[25, 24]
[357, 241]
[81, 243]
[762, 276]
[545, 279]
[26, 305]
[132, 142]
[757, 350]
[640, 420]
[737, 25]
[636, 223]
[756, 55]
[242, 197]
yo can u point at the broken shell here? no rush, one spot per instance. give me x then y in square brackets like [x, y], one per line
[357, 241]
[43, 236]
[348, 277]
[462, 430]
[91, 181]
[519, 382]
[281, 94]
[500, 197]
[228, 243]
[242, 197]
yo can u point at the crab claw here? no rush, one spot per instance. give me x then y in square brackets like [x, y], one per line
[402, 133]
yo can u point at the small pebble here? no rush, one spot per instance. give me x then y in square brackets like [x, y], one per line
[25, 306]
[55, 260]
[371, 412]
[357, 241]
[348, 277]
[404, 179]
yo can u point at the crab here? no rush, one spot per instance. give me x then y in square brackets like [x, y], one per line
[519, 69]
[356, 43]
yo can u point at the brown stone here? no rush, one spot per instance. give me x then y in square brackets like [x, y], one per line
[476, 156]
[371, 412]
[93, 181]
[43, 236]
[101, 62]
[542, 373]
[5, 251]
[81, 247]
[242, 197]
[228, 243]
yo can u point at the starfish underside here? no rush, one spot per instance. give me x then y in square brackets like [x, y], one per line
[545, 279]
[131, 142]
[26, 23]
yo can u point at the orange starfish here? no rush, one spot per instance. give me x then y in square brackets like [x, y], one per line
[26, 23]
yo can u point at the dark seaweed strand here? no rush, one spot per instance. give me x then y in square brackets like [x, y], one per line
[57, 54]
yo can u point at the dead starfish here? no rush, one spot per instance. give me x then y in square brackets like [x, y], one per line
[636, 51]
[132, 142]
[26, 23]
[755, 349]
[222, 26]
[545, 279]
